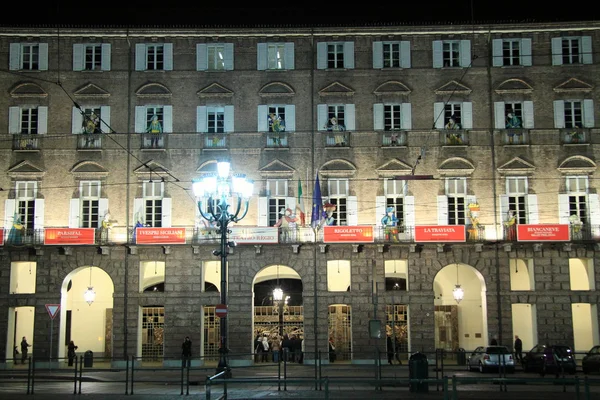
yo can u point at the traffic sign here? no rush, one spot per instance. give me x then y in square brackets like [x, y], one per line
[52, 309]
[221, 310]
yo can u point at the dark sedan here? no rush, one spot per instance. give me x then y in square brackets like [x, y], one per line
[549, 359]
[591, 361]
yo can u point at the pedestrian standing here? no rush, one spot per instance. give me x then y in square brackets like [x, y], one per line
[186, 352]
[286, 347]
[265, 348]
[332, 355]
[276, 348]
[24, 349]
[390, 350]
[71, 352]
[518, 349]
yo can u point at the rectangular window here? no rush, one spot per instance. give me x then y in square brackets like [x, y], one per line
[277, 191]
[93, 57]
[516, 189]
[30, 57]
[215, 119]
[391, 55]
[90, 201]
[336, 118]
[276, 205]
[451, 53]
[335, 55]
[150, 113]
[91, 120]
[153, 195]
[571, 51]
[513, 108]
[216, 57]
[395, 190]
[511, 52]
[26, 193]
[577, 184]
[276, 118]
[452, 111]
[155, 57]
[573, 114]
[456, 190]
[338, 191]
[577, 188]
[275, 56]
[29, 121]
[391, 117]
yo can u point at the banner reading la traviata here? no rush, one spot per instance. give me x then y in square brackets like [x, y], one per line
[348, 234]
[440, 233]
[543, 233]
[69, 236]
[160, 235]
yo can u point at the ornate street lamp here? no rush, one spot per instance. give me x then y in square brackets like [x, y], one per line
[458, 293]
[218, 190]
[90, 295]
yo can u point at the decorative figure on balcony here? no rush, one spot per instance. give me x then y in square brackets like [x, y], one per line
[394, 139]
[390, 224]
[334, 126]
[276, 124]
[105, 227]
[576, 227]
[327, 217]
[474, 217]
[91, 125]
[513, 122]
[575, 135]
[288, 224]
[453, 138]
[155, 129]
[15, 236]
[511, 225]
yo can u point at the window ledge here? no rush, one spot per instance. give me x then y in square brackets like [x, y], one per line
[453, 146]
[403, 146]
[575, 144]
[516, 145]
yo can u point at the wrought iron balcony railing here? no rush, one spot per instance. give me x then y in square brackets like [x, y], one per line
[26, 142]
[515, 137]
[215, 141]
[454, 137]
[575, 136]
[89, 141]
[154, 141]
[337, 139]
[277, 139]
[394, 138]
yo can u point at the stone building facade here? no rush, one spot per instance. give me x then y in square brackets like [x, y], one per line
[365, 109]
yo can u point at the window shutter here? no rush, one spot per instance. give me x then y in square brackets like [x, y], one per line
[168, 119]
[43, 57]
[559, 113]
[201, 119]
[290, 118]
[138, 211]
[350, 117]
[289, 55]
[140, 57]
[322, 55]
[503, 210]
[201, 57]
[229, 119]
[322, 117]
[563, 209]
[168, 52]
[38, 214]
[588, 113]
[594, 207]
[406, 115]
[586, 49]
[229, 56]
[378, 55]
[497, 59]
[438, 54]
[263, 207]
[106, 57]
[75, 210]
[263, 125]
[378, 116]
[349, 55]
[102, 208]
[467, 115]
[442, 210]
[557, 51]
[526, 58]
[528, 120]
[465, 53]
[438, 115]
[76, 120]
[261, 56]
[409, 211]
[15, 56]
[532, 209]
[42, 120]
[140, 119]
[9, 214]
[78, 57]
[405, 54]
[380, 204]
[105, 119]
[499, 115]
[14, 120]
[167, 204]
[352, 209]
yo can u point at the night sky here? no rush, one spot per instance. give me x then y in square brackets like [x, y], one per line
[151, 12]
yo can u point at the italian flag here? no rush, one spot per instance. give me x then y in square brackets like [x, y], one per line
[300, 205]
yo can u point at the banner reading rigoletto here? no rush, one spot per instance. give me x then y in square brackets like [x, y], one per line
[160, 235]
[348, 234]
[254, 235]
[543, 232]
[69, 236]
[440, 233]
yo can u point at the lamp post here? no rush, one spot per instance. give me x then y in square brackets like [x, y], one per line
[218, 190]
[280, 301]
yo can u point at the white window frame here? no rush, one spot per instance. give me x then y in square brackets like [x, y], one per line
[215, 55]
[392, 54]
[215, 119]
[92, 56]
[153, 191]
[453, 109]
[275, 55]
[30, 60]
[335, 55]
[451, 53]
[395, 187]
[571, 114]
[87, 197]
[26, 191]
[574, 182]
[29, 120]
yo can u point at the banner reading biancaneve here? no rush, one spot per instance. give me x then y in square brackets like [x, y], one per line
[543, 233]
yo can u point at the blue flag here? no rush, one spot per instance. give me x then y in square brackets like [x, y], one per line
[317, 206]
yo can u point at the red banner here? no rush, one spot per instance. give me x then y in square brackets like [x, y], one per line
[543, 233]
[348, 234]
[440, 233]
[69, 236]
[1, 237]
[160, 235]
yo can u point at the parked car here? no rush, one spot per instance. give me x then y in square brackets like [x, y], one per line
[549, 359]
[591, 361]
[486, 358]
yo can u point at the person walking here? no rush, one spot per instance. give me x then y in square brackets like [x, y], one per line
[186, 352]
[71, 352]
[24, 349]
[518, 349]
[390, 350]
